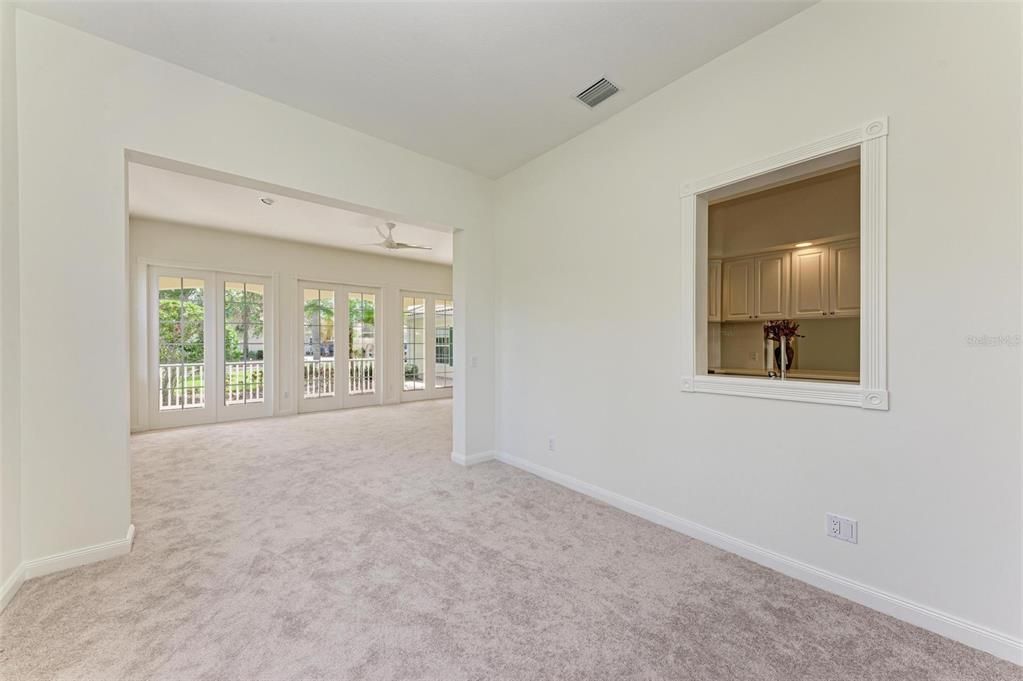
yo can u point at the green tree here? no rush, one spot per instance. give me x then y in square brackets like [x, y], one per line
[182, 315]
[361, 313]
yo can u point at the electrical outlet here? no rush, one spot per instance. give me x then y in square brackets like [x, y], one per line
[843, 528]
[474, 361]
[552, 444]
[753, 356]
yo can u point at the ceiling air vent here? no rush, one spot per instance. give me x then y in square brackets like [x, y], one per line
[597, 93]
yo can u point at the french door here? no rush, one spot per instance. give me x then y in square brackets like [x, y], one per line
[339, 364]
[211, 347]
[428, 365]
[245, 366]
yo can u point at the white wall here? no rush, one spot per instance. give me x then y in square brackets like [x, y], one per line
[588, 271]
[289, 263]
[82, 102]
[10, 341]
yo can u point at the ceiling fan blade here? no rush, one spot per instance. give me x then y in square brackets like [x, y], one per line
[399, 244]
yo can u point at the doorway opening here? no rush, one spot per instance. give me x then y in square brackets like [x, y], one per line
[250, 300]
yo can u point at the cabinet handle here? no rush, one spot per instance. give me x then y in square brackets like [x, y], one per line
[824, 313]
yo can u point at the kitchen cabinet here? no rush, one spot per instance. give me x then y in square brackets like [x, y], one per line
[755, 288]
[819, 281]
[714, 291]
[771, 286]
[844, 278]
[810, 285]
[737, 289]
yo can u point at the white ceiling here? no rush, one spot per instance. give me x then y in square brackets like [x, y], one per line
[177, 197]
[486, 86]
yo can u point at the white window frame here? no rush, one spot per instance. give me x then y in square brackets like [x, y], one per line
[872, 390]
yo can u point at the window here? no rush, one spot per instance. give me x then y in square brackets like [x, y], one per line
[742, 303]
[243, 343]
[784, 277]
[318, 342]
[444, 343]
[361, 342]
[414, 332]
[181, 314]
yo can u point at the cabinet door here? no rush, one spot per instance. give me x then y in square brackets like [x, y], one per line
[844, 268]
[714, 291]
[737, 285]
[810, 283]
[772, 286]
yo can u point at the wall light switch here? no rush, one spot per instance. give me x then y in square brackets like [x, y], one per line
[843, 528]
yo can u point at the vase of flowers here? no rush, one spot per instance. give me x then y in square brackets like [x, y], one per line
[782, 331]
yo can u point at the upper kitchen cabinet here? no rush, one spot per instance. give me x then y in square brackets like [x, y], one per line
[810, 286]
[844, 277]
[738, 289]
[826, 280]
[771, 286]
[714, 291]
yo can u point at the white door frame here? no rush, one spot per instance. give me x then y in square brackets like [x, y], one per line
[171, 418]
[430, 391]
[234, 412]
[341, 399]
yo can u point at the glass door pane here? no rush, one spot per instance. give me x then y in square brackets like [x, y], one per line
[244, 342]
[319, 342]
[361, 343]
[414, 332]
[444, 343]
[182, 352]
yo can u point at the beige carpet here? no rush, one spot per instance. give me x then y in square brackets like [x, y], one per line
[346, 545]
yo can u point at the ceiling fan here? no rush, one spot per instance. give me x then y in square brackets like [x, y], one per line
[389, 242]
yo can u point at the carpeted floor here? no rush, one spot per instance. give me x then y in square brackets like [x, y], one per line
[346, 545]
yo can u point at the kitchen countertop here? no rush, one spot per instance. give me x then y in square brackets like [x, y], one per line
[798, 374]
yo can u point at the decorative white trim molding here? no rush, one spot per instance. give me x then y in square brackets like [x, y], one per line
[872, 391]
[82, 556]
[11, 586]
[473, 459]
[974, 635]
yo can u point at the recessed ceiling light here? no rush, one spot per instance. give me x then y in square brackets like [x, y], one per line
[266, 200]
[804, 244]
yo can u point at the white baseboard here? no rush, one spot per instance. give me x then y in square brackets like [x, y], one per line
[472, 459]
[39, 567]
[974, 635]
[30, 569]
[11, 586]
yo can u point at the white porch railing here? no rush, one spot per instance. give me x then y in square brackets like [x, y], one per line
[183, 386]
[243, 382]
[360, 375]
[319, 377]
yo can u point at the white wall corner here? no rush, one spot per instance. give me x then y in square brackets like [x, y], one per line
[473, 459]
[11, 586]
[974, 635]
